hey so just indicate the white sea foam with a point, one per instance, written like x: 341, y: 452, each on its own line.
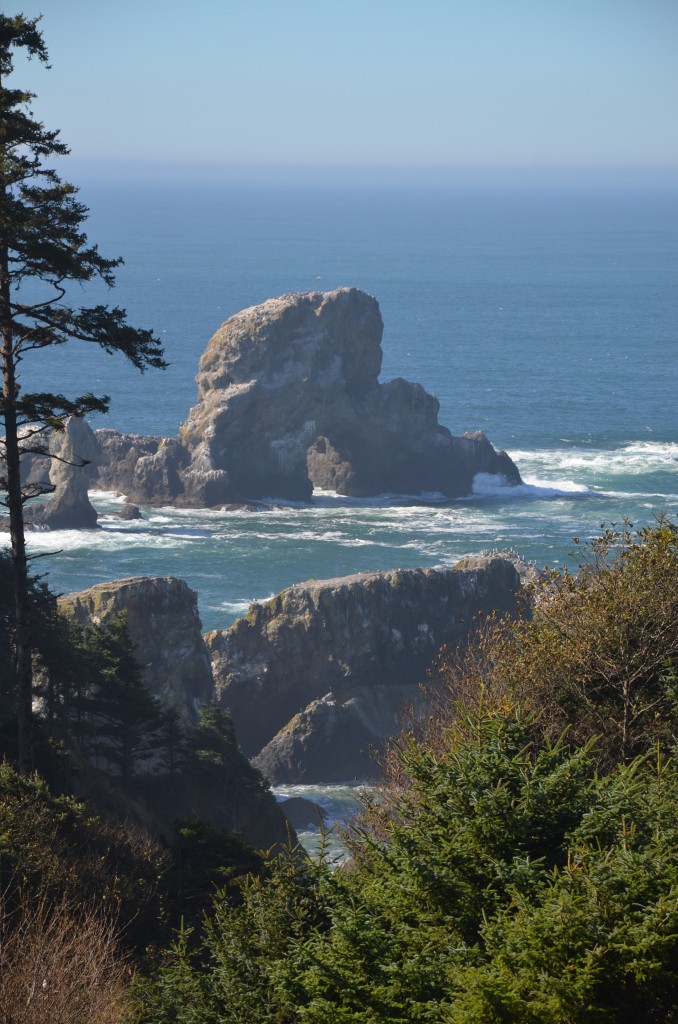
x: 339, y: 804
x: 495, y: 485
x: 242, y: 607
x: 655, y: 449
x: 107, y: 496
x: 633, y: 458
x: 386, y: 499
x: 102, y: 540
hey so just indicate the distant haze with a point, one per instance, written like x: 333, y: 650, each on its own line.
x: 526, y: 84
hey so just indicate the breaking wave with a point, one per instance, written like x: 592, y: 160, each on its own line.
x: 632, y: 459
x: 493, y: 485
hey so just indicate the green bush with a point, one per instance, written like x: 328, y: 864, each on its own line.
x: 507, y: 883
x: 511, y: 870
x: 598, y: 656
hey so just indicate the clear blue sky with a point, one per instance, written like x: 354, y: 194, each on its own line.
x: 536, y: 83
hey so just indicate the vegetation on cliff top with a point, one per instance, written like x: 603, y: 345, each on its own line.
x: 520, y: 864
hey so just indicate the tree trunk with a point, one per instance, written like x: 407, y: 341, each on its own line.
x: 22, y: 642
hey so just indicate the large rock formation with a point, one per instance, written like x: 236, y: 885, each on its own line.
x: 147, y: 469
x: 163, y: 622
x: 318, y: 675
x: 289, y: 400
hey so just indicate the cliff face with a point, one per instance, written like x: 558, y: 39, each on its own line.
x: 289, y: 400
x: 315, y: 679
x: 163, y: 622
x: 271, y: 379
x: 319, y: 673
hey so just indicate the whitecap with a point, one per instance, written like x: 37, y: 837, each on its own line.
x: 103, y: 540
x: 496, y: 485
x: 324, y: 498
x: 241, y: 607
x: 655, y: 449
x: 634, y: 457
x: 103, y: 496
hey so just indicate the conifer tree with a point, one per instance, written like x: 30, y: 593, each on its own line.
x: 126, y: 718
x: 43, y: 250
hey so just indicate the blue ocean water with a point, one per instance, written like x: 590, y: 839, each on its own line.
x: 548, y: 317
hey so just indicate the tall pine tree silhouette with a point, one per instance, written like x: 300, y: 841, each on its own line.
x: 43, y: 250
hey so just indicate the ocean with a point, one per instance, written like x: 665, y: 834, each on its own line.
x: 545, y: 316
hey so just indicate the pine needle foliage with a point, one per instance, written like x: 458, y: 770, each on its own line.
x: 514, y: 884
x: 508, y: 872
x: 43, y: 252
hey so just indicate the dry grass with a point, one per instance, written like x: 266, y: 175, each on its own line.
x: 59, y: 965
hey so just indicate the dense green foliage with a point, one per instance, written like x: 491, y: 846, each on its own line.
x: 117, y: 719
x: 89, y: 685
x: 599, y: 655
x: 510, y: 884
x: 505, y: 874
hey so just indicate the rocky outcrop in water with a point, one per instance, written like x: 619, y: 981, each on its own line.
x: 163, y: 623
x: 67, y: 472
x: 319, y: 675
x: 289, y: 400
x: 148, y: 470
x: 302, y: 813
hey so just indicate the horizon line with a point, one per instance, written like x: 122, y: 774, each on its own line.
x: 310, y: 174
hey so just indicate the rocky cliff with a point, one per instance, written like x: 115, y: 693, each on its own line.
x: 289, y: 400
x: 318, y: 675
x: 163, y: 622
x: 149, y: 470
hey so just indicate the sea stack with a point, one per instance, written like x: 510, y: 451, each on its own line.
x: 288, y: 401
x: 70, y: 467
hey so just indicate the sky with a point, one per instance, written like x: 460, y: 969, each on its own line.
x: 390, y: 83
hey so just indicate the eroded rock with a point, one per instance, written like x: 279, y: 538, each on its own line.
x: 289, y: 400
x: 321, y: 672
x: 72, y: 468
x: 129, y: 512
x: 340, y: 737
x: 163, y: 622
x: 302, y: 813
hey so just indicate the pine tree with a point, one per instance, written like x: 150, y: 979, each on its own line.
x: 43, y: 250
x: 125, y: 717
